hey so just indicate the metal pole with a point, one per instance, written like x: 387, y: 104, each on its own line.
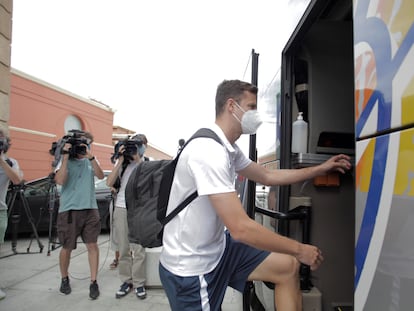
x: 251, y: 185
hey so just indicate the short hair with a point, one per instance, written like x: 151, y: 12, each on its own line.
x: 141, y: 137
x: 232, y: 89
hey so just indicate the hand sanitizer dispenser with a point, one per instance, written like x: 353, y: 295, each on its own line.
x: 300, y: 135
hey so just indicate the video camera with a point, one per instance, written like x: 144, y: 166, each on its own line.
x: 131, y: 148
x: 74, y: 137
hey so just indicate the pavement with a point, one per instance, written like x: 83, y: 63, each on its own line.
x: 30, y: 277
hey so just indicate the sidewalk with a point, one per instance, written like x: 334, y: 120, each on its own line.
x: 31, y: 282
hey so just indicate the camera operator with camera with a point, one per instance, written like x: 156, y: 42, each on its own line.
x: 131, y: 266
x: 9, y: 172
x: 78, y: 211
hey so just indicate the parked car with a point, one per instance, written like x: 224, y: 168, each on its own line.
x: 41, y: 198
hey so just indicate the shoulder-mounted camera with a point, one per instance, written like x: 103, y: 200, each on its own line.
x: 79, y: 145
x: 131, y: 149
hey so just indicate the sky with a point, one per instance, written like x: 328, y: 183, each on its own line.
x: 156, y: 63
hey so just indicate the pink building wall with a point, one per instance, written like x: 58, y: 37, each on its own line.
x: 38, y: 111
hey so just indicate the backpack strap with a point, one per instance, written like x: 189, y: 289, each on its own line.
x: 203, y: 132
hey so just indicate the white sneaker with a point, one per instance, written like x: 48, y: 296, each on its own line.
x: 2, y: 294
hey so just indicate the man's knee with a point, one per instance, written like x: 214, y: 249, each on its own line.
x: 92, y: 247
x: 277, y: 268
x: 294, y: 267
x: 290, y: 271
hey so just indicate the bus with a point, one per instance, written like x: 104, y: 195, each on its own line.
x: 349, y: 68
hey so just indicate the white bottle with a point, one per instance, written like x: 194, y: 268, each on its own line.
x: 300, y: 135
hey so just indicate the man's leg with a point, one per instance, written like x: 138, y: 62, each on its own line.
x: 121, y: 232
x: 93, y: 258
x: 90, y: 234
x: 64, y: 260
x: 138, y: 265
x: 283, y: 271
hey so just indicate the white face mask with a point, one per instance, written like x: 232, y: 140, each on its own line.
x: 250, y: 121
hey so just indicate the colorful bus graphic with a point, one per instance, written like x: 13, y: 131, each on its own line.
x: 384, y: 125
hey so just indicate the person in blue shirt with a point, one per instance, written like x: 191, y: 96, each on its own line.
x: 78, y: 211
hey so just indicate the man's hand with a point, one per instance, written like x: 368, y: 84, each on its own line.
x: 121, y: 151
x: 66, y: 147
x: 338, y: 163
x: 310, y: 255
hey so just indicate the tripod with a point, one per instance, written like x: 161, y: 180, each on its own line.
x: 15, y: 218
x: 51, y: 207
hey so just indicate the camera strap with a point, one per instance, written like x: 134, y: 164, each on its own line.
x: 117, y: 184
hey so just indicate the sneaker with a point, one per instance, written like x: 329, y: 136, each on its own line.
x: 123, y: 290
x: 94, y: 290
x: 65, y: 286
x: 114, y: 264
x: 140, y: 292
x: 2, y: 294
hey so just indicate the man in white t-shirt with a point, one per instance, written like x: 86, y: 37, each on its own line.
x: 213, y: 243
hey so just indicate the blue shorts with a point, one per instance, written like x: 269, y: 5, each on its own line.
x: 206, y: 292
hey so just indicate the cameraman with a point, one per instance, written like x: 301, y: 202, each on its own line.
x: 131, y: 265
x: 9, y: 172
x: 78, y: 210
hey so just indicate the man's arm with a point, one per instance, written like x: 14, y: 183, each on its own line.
x: 112, y: 177
x: 248, y: 231
x: 62, y: 173
x: 12, y: 173
x: 339, y: 163
x: 95, y: 164
x: 97, y: 168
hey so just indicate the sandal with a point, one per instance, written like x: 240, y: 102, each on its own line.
x: 114, y: 264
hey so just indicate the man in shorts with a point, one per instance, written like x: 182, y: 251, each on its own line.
x: 78, y: 211
x: 213, y: 243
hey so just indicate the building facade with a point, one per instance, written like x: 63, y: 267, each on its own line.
x: 41, y: 114
x: 5, y: 54
x: 35, y: 114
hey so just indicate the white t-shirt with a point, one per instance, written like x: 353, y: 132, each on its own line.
x: 194, y: 240
x: 120, y: 197
x: 4, y: 183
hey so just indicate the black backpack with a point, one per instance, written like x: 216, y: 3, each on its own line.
x: 147, y: 194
